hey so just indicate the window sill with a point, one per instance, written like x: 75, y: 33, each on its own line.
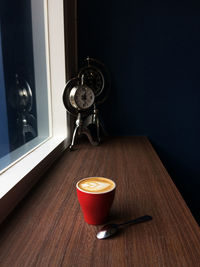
x: 18, y: 180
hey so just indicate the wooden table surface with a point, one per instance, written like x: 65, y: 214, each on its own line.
x: 47, y: 228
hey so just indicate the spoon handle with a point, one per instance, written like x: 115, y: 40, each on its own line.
x: 138, y: 220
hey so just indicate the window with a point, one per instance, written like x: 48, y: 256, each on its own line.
x: 35, y: 61
x: 24, y: 83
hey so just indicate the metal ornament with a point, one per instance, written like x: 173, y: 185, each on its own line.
x: 81, y: 96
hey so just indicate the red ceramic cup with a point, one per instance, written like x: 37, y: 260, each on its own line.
x: 95, y: 205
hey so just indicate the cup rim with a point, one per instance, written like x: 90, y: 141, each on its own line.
x: 95, y: 193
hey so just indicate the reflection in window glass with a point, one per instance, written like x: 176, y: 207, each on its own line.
x: 24, y: 119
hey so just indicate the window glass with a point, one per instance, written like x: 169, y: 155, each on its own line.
x: 24, y: 109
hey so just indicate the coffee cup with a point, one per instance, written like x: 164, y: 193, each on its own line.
x: 95, y: 195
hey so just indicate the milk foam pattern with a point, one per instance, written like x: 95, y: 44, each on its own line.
x: 95, y: 186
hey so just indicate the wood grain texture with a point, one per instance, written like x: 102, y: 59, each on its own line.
x: 48, y: 229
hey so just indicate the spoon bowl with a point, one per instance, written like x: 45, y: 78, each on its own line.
x: 107, y: 230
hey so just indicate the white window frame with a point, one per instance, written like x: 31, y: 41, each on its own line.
x: 56, y: 74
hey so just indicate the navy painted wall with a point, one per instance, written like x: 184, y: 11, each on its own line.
x: 152, y: 49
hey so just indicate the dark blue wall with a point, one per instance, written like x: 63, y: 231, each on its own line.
x: 152, y: 49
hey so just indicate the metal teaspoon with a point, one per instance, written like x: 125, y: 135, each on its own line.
x: 110, y: 229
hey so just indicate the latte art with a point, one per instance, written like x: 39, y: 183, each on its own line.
x: 96, y: 185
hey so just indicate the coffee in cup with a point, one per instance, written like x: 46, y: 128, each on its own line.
x: 95, y: 195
